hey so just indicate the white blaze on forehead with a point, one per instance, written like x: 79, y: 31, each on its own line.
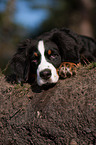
x: 41, y: 47
x: 41, y: 50
x: 44, y: 64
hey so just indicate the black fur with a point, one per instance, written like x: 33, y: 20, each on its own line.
x: 70, y: 46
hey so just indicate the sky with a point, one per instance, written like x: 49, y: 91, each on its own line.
x: 28, y: 17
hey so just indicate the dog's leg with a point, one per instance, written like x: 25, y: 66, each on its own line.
x: 67, y: 69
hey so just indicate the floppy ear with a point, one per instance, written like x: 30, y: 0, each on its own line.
x: 68, y: 45
x: 20, y: 62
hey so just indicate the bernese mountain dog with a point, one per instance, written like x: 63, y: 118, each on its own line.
x: 52, y: 55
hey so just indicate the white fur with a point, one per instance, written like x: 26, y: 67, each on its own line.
x: 45, y: 65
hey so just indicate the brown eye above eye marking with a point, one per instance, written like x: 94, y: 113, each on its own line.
x: 35, y: 54
x: 49, y: 52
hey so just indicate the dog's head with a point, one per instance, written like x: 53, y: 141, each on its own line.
x: 43, y: 56
x: 44, y: 61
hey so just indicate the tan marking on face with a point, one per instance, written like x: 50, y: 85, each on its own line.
x: 49, y: 52
x: 35, y: 54
x: 57, y: 70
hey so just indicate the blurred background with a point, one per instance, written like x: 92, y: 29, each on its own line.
x: 21, y: 19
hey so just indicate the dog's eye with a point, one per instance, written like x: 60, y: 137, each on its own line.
x: 52, y: 56
x: 34, y: 60
x: 35, y: 57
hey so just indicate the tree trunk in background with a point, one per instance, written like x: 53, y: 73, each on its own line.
x: 7, y: 30
x: 85, y: 25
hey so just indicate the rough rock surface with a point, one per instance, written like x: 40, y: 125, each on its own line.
x: 62, y: 115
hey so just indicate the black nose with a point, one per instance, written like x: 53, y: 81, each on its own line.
x: 45, y: 74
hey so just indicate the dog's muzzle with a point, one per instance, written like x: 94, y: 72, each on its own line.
x: 45, y: 74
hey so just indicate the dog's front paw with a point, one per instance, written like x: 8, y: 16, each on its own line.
x: 67, y: 69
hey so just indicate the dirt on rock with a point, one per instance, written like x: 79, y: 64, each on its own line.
x: 60, y: 115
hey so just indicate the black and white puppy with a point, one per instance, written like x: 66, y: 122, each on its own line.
x: 43, y: 56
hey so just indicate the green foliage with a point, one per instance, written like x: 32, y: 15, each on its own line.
x: 91, y: 65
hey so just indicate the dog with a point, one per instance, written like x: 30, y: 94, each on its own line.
x: 51, y: 55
